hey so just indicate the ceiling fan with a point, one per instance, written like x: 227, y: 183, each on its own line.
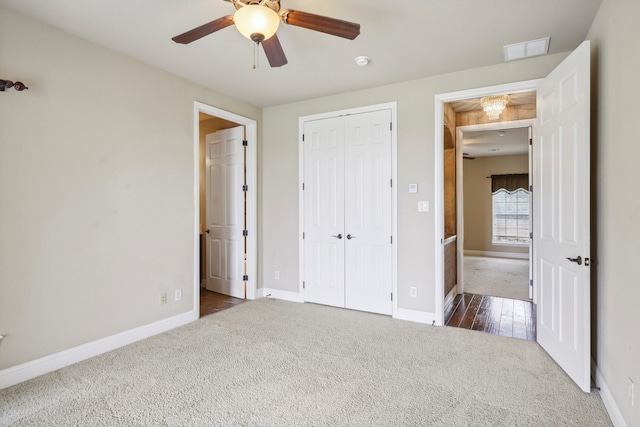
x: 258, y: 21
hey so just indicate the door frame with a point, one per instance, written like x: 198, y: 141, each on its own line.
x: 251, y: 136
x: 393, y: 106
x: 440, y: 100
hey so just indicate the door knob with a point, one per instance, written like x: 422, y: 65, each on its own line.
x: 206, y: 231
x: 349, y: 236
x: 339, y: 236
x: 576, y: 260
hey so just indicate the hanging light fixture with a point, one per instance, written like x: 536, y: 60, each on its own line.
x: 494, y: 105
x: 256, y: 22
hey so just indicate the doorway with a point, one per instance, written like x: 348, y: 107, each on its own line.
x: 487, y: 229
x: 209, y: 120
x: 446, y: 120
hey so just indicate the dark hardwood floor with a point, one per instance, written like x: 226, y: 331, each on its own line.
x: 495, y: 315
x: 211, y: 302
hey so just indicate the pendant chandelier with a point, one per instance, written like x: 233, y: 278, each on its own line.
x: 494, y: 105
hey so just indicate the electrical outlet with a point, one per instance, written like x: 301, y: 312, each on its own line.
x: 163, y: 298
x: 413, y: 291
x: 177, y: 295
x: 632, y: 392
x: 276, y: 275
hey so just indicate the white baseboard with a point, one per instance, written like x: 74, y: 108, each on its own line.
x: 494, y: 254
x: 283, y: 295
x: 607, y: 398
x: 415, y: 316
x: 44, y: 365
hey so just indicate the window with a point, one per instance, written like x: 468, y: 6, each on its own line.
x: 511, y: 216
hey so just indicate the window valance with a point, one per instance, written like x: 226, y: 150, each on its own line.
x: 510, y: 182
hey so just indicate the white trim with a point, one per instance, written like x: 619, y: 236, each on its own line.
x: 252, y: 182
x: 283, y: 295
x: 393, y: 106
x: 495, y: 254
x: 50, y: 363
x: 415, y: 316
x: 607, y: 398
x: 439, y: 101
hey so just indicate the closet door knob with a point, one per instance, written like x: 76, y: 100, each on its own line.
x: 339, y: 236
x: 349, y: 236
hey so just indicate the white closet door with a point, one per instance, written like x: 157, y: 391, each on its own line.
x: 324, y: 211
x: 368, y: 212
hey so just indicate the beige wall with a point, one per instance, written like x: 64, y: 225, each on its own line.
x: 477, y: 200
x: 416, y: 231
x: 96, y: 190
x: 615, y: 38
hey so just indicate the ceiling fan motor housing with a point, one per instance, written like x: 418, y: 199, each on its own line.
x: 271, y: 4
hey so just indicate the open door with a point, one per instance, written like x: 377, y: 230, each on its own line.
x: 562, y: 216
x: 225, y: 212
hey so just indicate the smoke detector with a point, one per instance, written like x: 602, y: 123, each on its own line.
x: 362, y: 60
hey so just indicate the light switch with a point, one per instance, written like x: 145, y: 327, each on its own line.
x: 423, y: 206
x: 413, y: 188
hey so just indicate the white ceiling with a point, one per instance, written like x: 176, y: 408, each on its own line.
x: 405, y: 40
x: 490, y: 143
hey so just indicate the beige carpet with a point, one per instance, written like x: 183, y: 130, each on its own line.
x: 277, y: 363
x: 499, y: 277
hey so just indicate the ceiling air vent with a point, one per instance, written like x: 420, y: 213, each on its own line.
x: 526, y: 49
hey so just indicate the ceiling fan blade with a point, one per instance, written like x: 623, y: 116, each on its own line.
x: 335, y: 27
x: 273, y: 50
x: 204, y: 30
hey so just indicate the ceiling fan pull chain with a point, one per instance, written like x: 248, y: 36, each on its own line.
x: 255, y: 55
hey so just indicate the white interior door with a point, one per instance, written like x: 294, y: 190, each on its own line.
x: 347, y: 211
x: 224, y: 261
x: 562, y: 217
x: 368, y: 212
x: 324, y: 211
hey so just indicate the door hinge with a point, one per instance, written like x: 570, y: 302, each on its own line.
x: 245, y: 278
x: 304, y: 285
x: 303, y: 137
x: 531, y: 188
x: 531, y: 282
x: 245, y: 188
x: 303, y: 186
x: 391, y: 239
x: 531, y: 234
x: 303, y: 235
x: 391, y: 183
x: 245, y: 143
x: 390, y: 125
x: 391, y: 296
x: 245, y: 233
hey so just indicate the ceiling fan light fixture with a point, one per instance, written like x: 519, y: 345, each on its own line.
x: 256, y: 22
x: 494, y: 105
